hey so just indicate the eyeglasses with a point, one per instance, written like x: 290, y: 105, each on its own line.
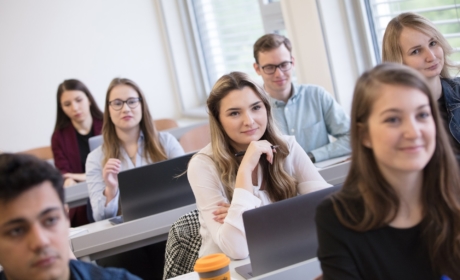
x: 132, y: 103
x: 283, y: 66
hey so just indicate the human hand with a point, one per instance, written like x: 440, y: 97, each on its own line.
x: 69, y: 182
x: 221, y: 212
x: 78, y: 177
x: 254, y: 151
x: 109, y: 175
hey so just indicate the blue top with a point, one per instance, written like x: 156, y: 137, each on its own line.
x: 83, y: 271
x: 96, y: 184
x: 311, y: 114
x: 451, y: 95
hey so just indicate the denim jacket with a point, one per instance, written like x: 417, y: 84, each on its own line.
x: 451, y: 92
x: 311, y: 114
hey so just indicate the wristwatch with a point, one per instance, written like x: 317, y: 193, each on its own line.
x: 312, y: 157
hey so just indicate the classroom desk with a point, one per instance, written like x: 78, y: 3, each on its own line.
x: 335, y: 174
x: 306, y: 270
x: 104, y: 239
x: 76, y: 195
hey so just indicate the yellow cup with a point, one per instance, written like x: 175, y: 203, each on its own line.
x: 213, y: 267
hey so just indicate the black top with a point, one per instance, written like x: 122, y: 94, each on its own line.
x: 445, y: 117
x: 84, y: 271
x: 385, y: 253
x: 83, y: 146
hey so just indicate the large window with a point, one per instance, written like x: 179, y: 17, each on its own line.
x: 225, y: 34
x: 443, y: 13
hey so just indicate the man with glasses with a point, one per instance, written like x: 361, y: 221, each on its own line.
x: 306, y: 111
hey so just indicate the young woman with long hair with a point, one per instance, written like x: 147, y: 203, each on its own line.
x: 130, y: 140
x: 397, y: 215
x: 78, y: 118
x: 247, y: 164
x: 413, y: 40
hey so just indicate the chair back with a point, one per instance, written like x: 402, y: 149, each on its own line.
x: 196, y: 138
x: 164, y: 124
x: 183, y: 245
x: 43, y: 153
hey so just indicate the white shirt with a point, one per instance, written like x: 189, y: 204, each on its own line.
x: 230, y: 238
x: 95, y: 181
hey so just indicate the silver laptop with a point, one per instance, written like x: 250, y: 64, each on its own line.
x: 282, y: 233
x: 154, y: 188
x: 95, y: 142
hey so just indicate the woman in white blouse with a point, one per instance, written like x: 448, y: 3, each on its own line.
x: 247, y: 164
x: 130, y: 140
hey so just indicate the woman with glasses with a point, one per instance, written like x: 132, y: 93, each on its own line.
x: 397, y: 215
x: 130, y: 140
x: 248, y: 164
x: 78, y: 118
x: 413, y: 40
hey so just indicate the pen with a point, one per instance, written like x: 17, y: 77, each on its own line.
x: 240, y: 154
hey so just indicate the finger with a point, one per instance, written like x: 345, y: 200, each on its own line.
x: 223, y: 204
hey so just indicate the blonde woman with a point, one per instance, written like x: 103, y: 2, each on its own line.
x: 130, y: 140
x: 248, y: 164
x: 397, y: 215
x: 413, y: 40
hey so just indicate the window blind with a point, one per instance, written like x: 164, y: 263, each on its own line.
x: 227, y: 31
x: 443, y: 13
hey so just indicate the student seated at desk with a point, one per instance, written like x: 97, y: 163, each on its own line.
x: 413, y: 40
x: 247, y: 164
x: 78, y: 118
x: 306, y: 111
x: 34, y: 228
x: 398, y: 213
x: 130, y: 140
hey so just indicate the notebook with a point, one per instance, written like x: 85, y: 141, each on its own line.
x: 282, y: 233
x: 154, y: 188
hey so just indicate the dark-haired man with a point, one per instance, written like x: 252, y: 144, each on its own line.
x: 306, y: 111
x: 34, y: 227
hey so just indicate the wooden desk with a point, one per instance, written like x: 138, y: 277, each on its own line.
x: 104, y: 239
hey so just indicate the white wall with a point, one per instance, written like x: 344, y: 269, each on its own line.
x: 44, y: 42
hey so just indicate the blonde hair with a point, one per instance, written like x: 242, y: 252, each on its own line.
x: 153, y: 150
x: 367, y: 201
x: 279, y: 184
x: 391, y: 49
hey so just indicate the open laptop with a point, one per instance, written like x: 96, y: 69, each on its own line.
x: 154, y: 188
x: 282, y: 233
x: 95, y: 142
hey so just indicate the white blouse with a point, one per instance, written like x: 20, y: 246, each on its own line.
x: 230, y: 238
x: 95, y: 181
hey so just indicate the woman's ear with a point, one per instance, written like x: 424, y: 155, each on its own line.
x: 365, y: 139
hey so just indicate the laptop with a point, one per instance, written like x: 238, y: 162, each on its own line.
x: 282, y: 233
x: 95, y: 142
x: 154, y: 188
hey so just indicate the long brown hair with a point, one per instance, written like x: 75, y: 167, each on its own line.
x: 62, y: 120
x: 153, y: 150
x: 391, y: 49
x: 279, y: 184
x: 367, y: 201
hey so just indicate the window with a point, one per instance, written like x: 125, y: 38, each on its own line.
x: 225, y: 35
x: 443, y: 13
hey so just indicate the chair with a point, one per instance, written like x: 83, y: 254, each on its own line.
x: 164, y: 124
x: 183, y: 245
x: 196, y: 138
x: 43, y: 153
